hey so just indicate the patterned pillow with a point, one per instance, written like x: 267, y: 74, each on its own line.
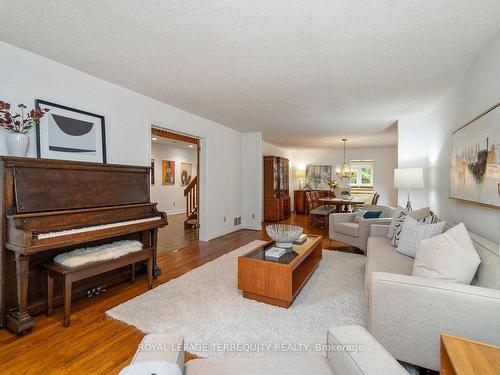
x: 395, y: 219
x: 431, y: 219
x: 400, y: 216
x: 359, y: 215
x: 413, y: 232
x: 397, y: 228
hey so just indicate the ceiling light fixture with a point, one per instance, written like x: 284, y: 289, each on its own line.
x: 344, y: 171
x: 154, y: 139
x: 191, y: 146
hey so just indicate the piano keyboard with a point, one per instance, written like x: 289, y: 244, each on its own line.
x: 94, y: 228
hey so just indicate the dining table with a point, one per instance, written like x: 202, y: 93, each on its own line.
x: 341, y: 204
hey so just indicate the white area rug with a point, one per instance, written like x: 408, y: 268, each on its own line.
x: 206, y: 307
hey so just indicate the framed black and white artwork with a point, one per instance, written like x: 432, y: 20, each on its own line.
x: 70, y: 134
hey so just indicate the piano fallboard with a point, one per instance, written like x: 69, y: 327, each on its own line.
x: 24, y: 229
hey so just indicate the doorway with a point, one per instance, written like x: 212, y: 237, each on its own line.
x: 175, y: 186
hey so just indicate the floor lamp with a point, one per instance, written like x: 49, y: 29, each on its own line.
x: 408, y: 178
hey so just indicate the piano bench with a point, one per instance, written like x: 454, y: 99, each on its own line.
x: 69, y: 275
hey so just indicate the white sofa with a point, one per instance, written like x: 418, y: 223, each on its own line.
x: 162, y: 354
x: 342, y: 226
x: 407, y: 314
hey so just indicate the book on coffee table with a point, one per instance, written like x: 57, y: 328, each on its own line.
x: 275, y: 252
x: 301, y: 240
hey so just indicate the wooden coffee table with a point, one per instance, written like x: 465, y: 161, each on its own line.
x: 278, y: 282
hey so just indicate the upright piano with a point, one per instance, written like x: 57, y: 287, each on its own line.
x: 53, y: 206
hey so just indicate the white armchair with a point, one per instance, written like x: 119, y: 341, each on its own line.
x: 342, y: 226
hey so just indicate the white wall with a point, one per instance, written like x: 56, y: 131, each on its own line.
x: 268, y: 149
x: 425, y: 142
x: 170, y: 198
x: 129, y: 115
x: 385, y: 160
x: 252, y: 180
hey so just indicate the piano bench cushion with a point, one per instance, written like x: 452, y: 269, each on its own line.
x: 114, y: 250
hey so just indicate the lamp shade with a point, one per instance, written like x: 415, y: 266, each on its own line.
x: 409, y: 178
x: 300, y: 173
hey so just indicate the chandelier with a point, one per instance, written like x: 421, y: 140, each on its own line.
x: 344, y: 171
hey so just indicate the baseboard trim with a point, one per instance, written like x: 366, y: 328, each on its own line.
x: 174, y: 212
x: 213, y: 236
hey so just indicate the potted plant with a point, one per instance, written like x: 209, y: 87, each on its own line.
x: 18, y: 125
x: 346, y: 194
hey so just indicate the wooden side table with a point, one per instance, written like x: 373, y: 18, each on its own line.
x: 461, y: 356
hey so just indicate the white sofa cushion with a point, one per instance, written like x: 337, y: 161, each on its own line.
x: 413, y: 232
x: 293, y: 364
x: 451, y: 256
x: 350, y: 229
x: 382, y: 257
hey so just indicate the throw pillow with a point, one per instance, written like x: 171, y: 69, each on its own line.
x: 372, y: 214
x: 413, y: 232
x: 398, y: 224
x: 395, y: 220
x: 431, y: 219
x: 359, y: 214
x: 450, y: 256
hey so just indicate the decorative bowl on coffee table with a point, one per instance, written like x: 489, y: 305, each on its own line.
x: 284, y: 234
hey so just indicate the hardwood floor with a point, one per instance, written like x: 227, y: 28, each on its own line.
x: 174, y: 236
x: 96, y: 344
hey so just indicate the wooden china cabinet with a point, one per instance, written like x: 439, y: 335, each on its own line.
x: 276, y: 189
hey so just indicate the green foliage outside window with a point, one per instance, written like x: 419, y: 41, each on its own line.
x: 354, y: 178
x: 366, y: 175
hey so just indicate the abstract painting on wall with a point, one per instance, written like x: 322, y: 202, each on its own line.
x: 168, y: 172
x: 318, y: 176
x: 475, y: 160
x: 152, y: 171
x: 186, y: 173
x: 70, y: 134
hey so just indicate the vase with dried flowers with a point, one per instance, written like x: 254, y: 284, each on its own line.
x: 333, y: 184
x: 18, y: 125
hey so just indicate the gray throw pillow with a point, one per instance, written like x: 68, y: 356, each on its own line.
x: 413, y: 232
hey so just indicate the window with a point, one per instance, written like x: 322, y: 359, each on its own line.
x: 363, y: 177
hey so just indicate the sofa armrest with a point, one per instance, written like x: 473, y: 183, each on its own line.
x: 336, y: 218
x: 379, y: 230
x: 161, y: 347
x: 351, y: 350
x: 364, y: 229
x: 346, y: 217
x: 407, y: 314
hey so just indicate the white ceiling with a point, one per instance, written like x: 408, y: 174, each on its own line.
x: 305, y: 72
x: 172, y: 142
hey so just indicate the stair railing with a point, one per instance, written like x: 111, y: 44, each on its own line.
x: 190, y: 192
